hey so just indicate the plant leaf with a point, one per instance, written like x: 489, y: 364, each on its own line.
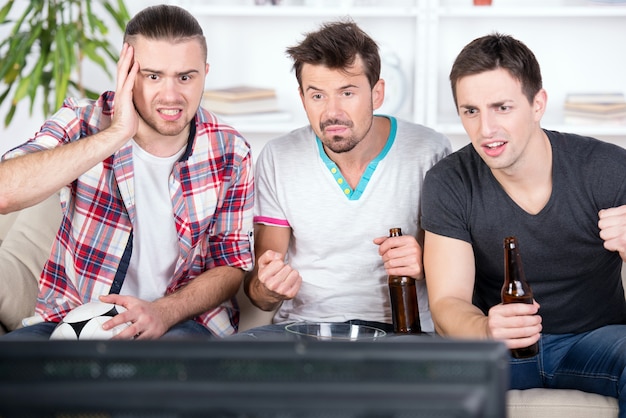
x: 5, y: 11
x: 120, y: 15
x: 4, y: 94
x: 12, y: 63
x: 9, y: 117
x: 90, y: 50
x: 36, y: 81
x: 41, y: 57
x: 63, y: 67
x: 95, y: 23
x: 22, y: 89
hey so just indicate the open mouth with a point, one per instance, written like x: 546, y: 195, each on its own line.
x: 494, y: 145
x: 169, y: 112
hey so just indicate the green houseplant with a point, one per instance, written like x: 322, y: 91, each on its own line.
x: 48, y: 42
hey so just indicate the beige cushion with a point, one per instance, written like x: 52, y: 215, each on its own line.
x: 6, y: 222
x: 559, y: 403
x: 24, y: 250
x: 249, y: 315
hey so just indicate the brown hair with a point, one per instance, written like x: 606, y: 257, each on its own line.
x: 336, y: 45
x: 498, y: 51
x: 165, y: 22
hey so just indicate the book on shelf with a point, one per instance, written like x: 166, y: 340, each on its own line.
x: 595, y: 108
x: 237, y: 100
x: 257, y: 118
x: 586, y: 118
x: 239, y: 93
x: 599, y: 97
x: 599, y: 108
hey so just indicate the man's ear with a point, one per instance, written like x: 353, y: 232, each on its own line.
x: 378, y: 94
x: 540, y: 103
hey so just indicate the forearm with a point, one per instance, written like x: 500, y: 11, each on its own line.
x: 205, y: 292
x: 457, y: 318
x: 29, y: 179
x: 257, y: 293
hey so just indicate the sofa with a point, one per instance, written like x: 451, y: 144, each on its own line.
x: 25, y: 241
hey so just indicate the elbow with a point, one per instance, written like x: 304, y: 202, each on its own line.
x: 6, y: 206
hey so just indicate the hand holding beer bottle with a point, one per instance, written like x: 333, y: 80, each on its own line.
x: 515, y: 288
x: 403, y: 294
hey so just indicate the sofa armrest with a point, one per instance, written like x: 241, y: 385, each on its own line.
x: 6, y: 222
x: 23, y: 252
x: 559, y: 403
x: 249, y: 315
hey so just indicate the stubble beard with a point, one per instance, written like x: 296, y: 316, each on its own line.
x: 339, y: 144
x: 163, y: 127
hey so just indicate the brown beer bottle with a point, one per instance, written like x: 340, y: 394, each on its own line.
x: 515, y: 288
x: 403, y: 294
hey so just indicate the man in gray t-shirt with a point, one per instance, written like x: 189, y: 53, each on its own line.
x: 328, y: 193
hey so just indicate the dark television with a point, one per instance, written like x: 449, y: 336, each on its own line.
x: 421, y: 377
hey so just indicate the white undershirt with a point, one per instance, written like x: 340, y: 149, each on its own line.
x: 155, y: 242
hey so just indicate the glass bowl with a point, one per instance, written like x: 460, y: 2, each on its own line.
x: 334, y: 331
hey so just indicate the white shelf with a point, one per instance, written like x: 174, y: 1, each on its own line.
x: 539, y: 12
x: 532, y: 8
x: 296, y: 11
x: 576, y: 43
x: 284, y: 12
x: 580, y: 129
x: 255, y: 124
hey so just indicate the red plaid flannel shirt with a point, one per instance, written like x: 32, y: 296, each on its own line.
x: 212, y: 189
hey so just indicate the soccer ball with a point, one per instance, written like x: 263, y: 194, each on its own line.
x: 85, y: 322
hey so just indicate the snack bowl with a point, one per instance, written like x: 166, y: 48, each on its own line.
x: 334, y: 331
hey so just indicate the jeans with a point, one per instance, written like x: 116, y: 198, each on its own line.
x: 593, y: 361
x: 42, y: 331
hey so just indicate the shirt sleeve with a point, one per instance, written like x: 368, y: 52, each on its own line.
x: 230, y: 244
x: 268, y: 210
x: 445, y: 201
x: 77, y: 118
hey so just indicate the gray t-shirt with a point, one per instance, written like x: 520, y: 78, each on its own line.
x: 575, y: 280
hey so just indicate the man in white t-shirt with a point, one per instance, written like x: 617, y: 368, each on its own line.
x: 328, y: 193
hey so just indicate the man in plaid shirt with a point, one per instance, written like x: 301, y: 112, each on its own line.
x: 156, y: 194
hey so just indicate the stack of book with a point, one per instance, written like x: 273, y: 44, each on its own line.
x: 240, y: 100
x: 589, y: 108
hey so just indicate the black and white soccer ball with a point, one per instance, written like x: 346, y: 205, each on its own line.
x: 85, y: 322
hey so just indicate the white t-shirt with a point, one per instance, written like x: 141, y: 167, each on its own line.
x: 333, y: 227
x: 155, y: 242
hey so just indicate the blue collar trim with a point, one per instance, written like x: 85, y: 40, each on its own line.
x: 369, y: 171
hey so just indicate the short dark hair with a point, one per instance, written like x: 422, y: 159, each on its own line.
x: 495, y: 51
x: 336, y: 45
x: 165, y: 22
